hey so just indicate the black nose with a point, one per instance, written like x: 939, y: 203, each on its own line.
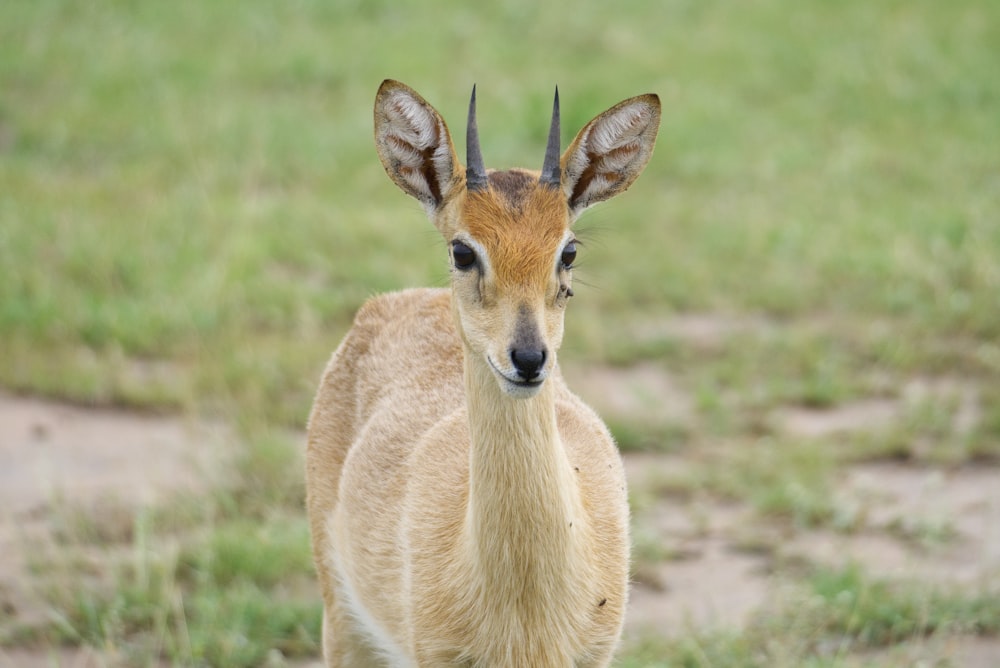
x: 528, y: 361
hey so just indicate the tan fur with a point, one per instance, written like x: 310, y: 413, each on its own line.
x: 459, y: 518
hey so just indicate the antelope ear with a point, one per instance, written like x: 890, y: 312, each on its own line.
x: 610, y: 152
x: 414, y: 145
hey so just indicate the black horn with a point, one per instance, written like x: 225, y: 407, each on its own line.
x: 475, y: 171
x: 551, y: 173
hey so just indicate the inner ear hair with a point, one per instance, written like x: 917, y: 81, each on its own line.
x: 610, y: 152
x: 414, y: 144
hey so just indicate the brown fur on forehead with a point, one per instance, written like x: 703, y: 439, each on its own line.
x: 520, y: 223
x: 514, y: 185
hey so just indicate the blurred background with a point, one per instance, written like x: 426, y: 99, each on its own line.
x: 791, y: 322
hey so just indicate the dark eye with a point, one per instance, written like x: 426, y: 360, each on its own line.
x: 569, y: 255
x: 464, y: 256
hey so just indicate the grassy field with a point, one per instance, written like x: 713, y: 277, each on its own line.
x: 191, y: 209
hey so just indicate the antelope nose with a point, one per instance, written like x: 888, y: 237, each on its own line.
x: 528, y: 361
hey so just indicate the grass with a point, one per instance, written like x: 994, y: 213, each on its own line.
x: 192, y: 210
x: 829, y: 620
x: 224, y: 600
x: 196, y: 204
x: 222, y: 580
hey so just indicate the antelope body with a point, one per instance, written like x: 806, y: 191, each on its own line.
x: 466, y: 508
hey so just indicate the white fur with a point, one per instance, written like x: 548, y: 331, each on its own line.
x: 619, y: 129
x: 374, y: 632
x: 412, y: 121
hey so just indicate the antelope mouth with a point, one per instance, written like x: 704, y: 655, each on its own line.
x: 515, y: 386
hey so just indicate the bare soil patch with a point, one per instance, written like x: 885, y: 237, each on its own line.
x: 706, y: 582
x: 643, y: 393
x: 52, y: 658
x: 701, y: 330
x: 957, y: 651
x: 937, y: 525
x: 959, y: 400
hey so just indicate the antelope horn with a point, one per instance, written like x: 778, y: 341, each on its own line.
x: 475, y: 171
x: 551, y: 173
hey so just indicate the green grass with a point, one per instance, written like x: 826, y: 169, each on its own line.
x: 829, y: 620
x: 223, y: 602
x: 181, y: 198
x: 876, y: 613
x: 191, y: 210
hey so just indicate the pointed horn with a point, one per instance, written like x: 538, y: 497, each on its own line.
x: 551, y: 173
x: 475, y: 171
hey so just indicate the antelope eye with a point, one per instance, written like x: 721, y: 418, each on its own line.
x: 464, y: 256
x: 569, y: 255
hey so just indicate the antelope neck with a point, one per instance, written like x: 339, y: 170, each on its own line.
x: 522, y: 496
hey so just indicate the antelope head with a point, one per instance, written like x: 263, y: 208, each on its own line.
x: 509, y: 233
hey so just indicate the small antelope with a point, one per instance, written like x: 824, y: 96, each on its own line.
x: 466, y: 508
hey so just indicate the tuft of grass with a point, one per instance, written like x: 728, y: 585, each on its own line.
x: 652, y: 436
x: 267, y: 476
x: 717, y: 650
x: 869, y: 612
x: 108, y: 521
x: 787, y: 480
x: 262, y: 554
x: 945, y: 428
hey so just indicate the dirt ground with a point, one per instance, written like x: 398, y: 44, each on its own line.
x: 52, y: 453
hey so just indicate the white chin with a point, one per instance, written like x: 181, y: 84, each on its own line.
x: 520, y: 390
x: 516, y: 389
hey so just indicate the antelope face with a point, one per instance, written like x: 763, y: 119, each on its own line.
x: 512, y: 254
x: 509, y: 232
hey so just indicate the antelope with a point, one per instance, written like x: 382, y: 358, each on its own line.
x: 466, y: 509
